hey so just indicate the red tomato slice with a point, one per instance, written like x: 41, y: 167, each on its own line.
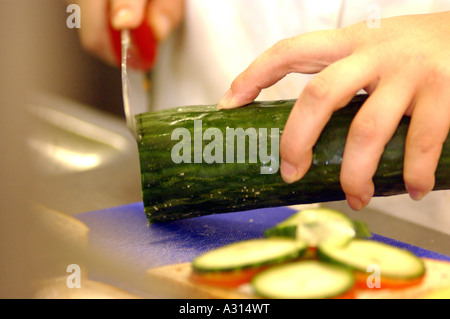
x: 351, y: 294
x: 226, y: 279
x: 385, y: 282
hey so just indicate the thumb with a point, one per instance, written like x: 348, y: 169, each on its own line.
x: 127, y: 14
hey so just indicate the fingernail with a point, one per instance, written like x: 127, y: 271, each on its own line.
x: 415, y: 194
x: 225, y: 101
x: 122, y: 18
x: 288, y: 172
x: 355, y: 202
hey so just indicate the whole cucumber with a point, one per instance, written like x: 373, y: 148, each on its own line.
x: 198, y: 160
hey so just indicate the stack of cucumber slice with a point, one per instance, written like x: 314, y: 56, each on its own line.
x: 315, y: 253
x: 319, y: 226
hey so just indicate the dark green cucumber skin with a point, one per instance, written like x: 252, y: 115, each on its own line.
x: 175, y: 191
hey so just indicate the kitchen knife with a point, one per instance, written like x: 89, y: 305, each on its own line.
x: 135, y: 52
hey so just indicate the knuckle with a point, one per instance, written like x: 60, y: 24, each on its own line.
x: 362, y: 131
x: 318, y: 88
x: 281, y: 47
x: 433, y: 70
x: 437, y: 75
x: 424, y: 143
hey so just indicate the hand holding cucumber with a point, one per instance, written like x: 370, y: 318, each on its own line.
x: 403, y: 65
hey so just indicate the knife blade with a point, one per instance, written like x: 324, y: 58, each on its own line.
x: 129, y: 117
x: 135, y: 52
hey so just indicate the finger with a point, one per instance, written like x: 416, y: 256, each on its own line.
x: 330, y: 90
x: 164, y: 16
x: 429, y: 128
x: 127, y: 14
x: 370, y: 131
x: 308, y: 53
x: 94, y: 34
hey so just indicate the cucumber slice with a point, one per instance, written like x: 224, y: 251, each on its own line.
x: 317, y: 226
x: 362, y: 229
x: 303, y: 280
x: 249, y: 253
x: 359, y: 254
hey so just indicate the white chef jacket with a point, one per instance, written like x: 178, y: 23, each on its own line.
x: 220, y: 38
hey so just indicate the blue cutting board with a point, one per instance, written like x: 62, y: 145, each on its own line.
x: 125, y: 233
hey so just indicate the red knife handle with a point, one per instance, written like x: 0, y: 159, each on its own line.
x: 143, y: 46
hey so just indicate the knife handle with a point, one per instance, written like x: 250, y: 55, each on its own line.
x: 143, y: 46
